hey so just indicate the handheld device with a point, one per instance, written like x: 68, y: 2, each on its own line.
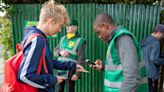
x: 90, y: 62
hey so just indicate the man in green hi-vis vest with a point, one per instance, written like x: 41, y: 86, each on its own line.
x: 70, y: 48
x: 124, y: 67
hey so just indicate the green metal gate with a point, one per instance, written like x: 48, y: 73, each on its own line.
x: 140, y: 19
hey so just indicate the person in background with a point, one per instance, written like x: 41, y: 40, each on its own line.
x: 153, y: 60
x: 52, y: 17
x: 70, y: 48
x: 124, y: 69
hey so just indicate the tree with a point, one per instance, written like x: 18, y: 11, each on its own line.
x: 6, y: 37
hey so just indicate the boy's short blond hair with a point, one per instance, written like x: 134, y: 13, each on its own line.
x: 51, y: 9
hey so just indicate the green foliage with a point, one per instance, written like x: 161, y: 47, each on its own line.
x: 162, y: 14
x: 162, y: 17
x: 7, y: 9
x: 22, y: 1
x: 6, y: 37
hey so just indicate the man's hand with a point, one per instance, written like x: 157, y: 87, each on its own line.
x: 79, y: 68
x: 60, y: 79
x: 98, y: 65
x: 74, y: 77
x: 64, y: 53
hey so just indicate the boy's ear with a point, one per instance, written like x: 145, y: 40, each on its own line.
x: 51, y: 20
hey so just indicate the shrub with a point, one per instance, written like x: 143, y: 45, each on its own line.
x: 6, y: 38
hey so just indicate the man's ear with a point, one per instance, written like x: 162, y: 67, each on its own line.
x: 105, y: 26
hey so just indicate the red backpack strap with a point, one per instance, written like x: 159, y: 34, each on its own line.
x: 19, y: 47
x: 42, y: 59
x: 42, y: 62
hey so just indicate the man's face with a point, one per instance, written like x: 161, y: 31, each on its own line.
x: 161, y: 35
x: 102, y: 30
x: 71, y: 28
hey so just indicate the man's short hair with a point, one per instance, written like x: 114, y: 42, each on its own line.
x: 104, y: 18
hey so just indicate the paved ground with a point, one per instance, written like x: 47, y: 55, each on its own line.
x: 1, y: 71
x: 1, y: 65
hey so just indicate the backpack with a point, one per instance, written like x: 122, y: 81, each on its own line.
x: 11, y: 67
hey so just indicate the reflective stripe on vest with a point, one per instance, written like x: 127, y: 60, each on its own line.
x: 72, y: 51
x: 66, y: 59
x: 108, y: 89
x: 115, y: 86
x: 76, y: 44
x: 112, y: 84
x: 72, y: 54
x: 118, y: 84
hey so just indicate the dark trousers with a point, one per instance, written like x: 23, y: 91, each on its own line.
x: 153, y: 85
x: 70, y: 85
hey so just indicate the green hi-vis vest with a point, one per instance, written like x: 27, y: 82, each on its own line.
x: 71, y: 46
x: 113, y: 67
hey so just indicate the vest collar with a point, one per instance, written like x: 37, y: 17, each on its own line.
x: 113, y: 32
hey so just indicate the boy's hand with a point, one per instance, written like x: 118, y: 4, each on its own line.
x: 60, y: 79
x: 79, y: 68
x: 74, y: 77
x: 98, y: 65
